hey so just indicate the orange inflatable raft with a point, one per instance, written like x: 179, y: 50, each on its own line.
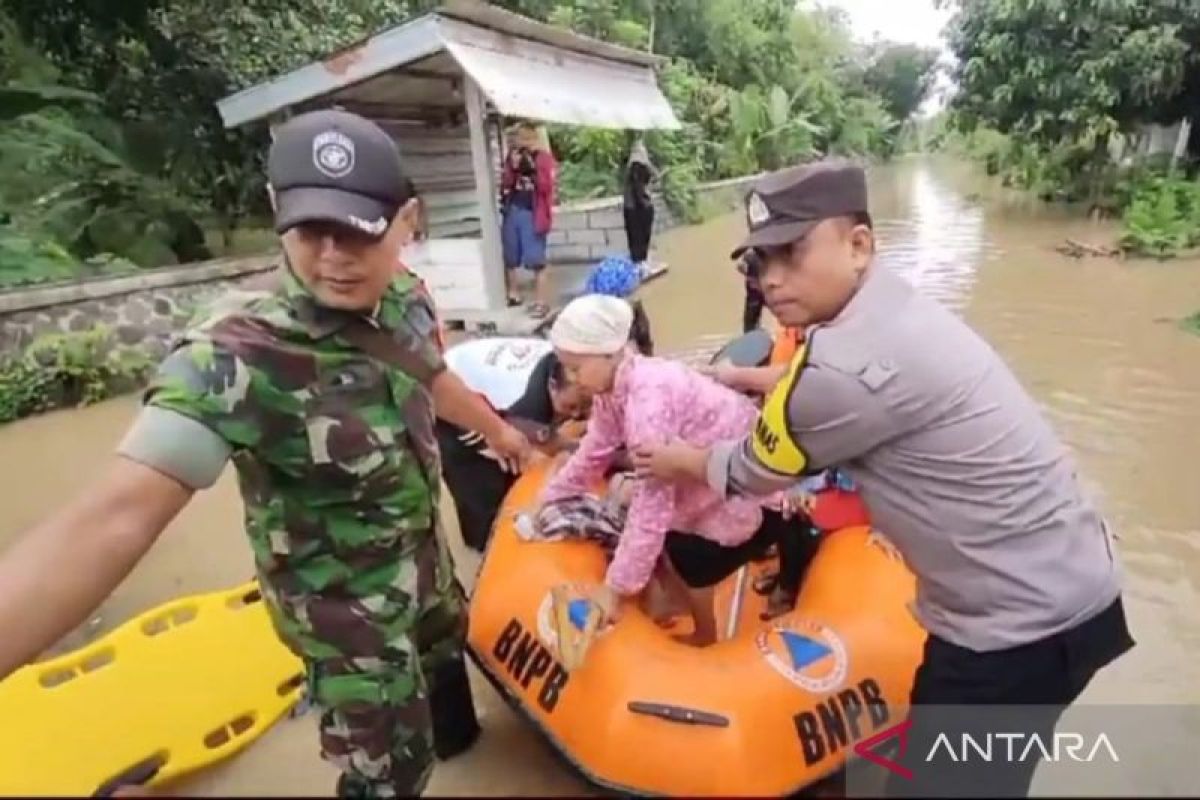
x: 769, y: 710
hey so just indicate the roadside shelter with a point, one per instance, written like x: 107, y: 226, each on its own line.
x: 439, y: 84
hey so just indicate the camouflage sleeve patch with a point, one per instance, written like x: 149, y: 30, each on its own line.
x: 210, y: 385
x: 421, y: 327
x: 407, y: 316
x: 427, y: 350
x: 439, y: 331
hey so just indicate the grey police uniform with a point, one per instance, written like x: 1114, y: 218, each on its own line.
x: 955, y: 463
x: 1018, y: 583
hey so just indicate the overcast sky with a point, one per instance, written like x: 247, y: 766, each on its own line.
x: 914, y: 21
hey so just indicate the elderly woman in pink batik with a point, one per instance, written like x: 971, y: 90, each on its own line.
x: 639, y: 400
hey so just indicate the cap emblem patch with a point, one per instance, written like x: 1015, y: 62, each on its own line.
x: 756, y: 210
x: 333, y: 154
x: 374, y: 228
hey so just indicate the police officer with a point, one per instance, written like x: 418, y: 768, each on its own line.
x: 1018, y: 584
x: 321, y: 393
x: 752, y: 305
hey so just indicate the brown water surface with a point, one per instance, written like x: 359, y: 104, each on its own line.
x: 1093, y: 340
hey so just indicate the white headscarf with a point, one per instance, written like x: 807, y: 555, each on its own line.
x: 594, y: 324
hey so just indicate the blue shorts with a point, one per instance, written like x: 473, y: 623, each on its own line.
x: 523, y: 245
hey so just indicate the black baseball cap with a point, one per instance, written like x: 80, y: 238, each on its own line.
x: 785, y: 205
x: 334, y: 166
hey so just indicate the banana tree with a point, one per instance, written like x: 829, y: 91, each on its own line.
x: 866, y: 128
x: 790, y: 135
x: 769, y: 130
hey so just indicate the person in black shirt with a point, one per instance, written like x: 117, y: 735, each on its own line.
x: 477, y: 481
x: 544, y: 411
x: 638, y: 205
x: 749, y: 266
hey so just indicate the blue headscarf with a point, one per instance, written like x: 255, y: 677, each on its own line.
x: 614, y: 276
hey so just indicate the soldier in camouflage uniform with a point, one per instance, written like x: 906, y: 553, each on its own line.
x: 321, y: 392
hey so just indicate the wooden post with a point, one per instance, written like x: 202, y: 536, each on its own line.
x: 1181, y: 141
x: 486, y: 196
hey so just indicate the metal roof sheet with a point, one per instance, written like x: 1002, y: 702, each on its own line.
x: 525, y: 68
x: 543, y: 82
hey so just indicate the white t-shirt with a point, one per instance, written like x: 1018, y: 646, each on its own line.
x: 498, y: 368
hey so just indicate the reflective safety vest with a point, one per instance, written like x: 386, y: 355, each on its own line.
x: 783, y: 350
x: 772, y: 440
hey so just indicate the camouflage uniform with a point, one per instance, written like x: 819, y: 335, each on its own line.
x: 338, y: 468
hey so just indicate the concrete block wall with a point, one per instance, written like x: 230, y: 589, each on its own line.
x: 587, y: 231
x: 143, y: 309
x: 593, y: 229
x: 148, y: 308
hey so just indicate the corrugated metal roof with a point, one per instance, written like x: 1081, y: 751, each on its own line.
x: 499, y: 19
x: 525, y: 68
x: 543, y: 82
x: 385, y: 51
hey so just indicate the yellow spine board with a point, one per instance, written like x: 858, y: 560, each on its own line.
x: 186, y: 684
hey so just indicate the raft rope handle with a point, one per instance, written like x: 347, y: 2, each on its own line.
x: 739, y: 598
x: 688, y: 716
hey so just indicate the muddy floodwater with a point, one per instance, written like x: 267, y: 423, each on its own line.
x: 1094, y: 340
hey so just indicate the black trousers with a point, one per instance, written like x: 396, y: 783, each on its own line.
x: 1025, y: 690
x: 477, y: 484
x: 752, y: 308
x: 702, y: 562
x: 639, y: 224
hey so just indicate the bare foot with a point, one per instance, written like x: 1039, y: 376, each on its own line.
x: 779, y: 603
x: 696, y: 639
x: 662, y: 611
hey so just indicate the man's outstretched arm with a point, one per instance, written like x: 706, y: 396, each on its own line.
x: 55, y: 575
x: 825, y: 418
x: 458, y: 405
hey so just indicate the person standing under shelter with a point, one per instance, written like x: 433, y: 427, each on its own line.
x: 638, y: 206
x: 322, y: 393
x: 527, y: 197
x: 1018, y: 581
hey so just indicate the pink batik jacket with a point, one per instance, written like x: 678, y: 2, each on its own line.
x: 655, y: 401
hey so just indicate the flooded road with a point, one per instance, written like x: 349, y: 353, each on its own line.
x: 1121, y: 385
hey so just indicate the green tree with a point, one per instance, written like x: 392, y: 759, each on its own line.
x: 160, y: 66
x: 71, y: 178
x: 1061, y: 77
x: 756, y: 84
x: 902, y: 75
